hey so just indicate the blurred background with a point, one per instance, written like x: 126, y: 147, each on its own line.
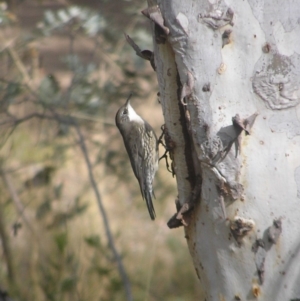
x: 65, y: 69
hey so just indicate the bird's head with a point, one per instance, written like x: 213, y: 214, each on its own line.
x: 126, y: 114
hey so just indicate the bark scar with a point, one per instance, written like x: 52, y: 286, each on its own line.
x: 240, y: 227
x: 260, y: 257
x: 187, y: 88
x: 263, y: 245
x: 218, y: 17
x: 226, y: 37
x: 242, y: 125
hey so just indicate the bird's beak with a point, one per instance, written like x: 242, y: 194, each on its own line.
x: 128, y: 99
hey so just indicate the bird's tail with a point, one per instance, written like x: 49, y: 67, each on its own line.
x: 148, y: 194
x: 148, y: 197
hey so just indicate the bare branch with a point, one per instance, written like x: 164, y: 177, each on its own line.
x: 15, y: 197
x: 6, y: 248
x: 15, y: 121
x: 109, y: 236
x: 18, y: 62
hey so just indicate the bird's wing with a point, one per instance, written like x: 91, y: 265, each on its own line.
x: 150, y: 157
x: 139, y: 152
x: 135, y: 152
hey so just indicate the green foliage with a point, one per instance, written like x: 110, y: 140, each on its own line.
x: 57, y: 189
x: 75, y: 19
x: 58, y: 272
x: 83, y: 92
x: 93, y: 241
x: 12, y: 91
x: 49, y: 90
x: 6, y: 18
x: 43, y: 209
x: 61, y: 241
x: 101, y: 269
x: 68, y: 284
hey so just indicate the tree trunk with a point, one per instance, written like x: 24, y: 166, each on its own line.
x: 229, y: 78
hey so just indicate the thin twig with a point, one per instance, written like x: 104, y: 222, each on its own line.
x: 16, y: 121
x: 6, y: 137
x: 109, y: 236
x: 27, y: 81
x: 6, y: 248
x: 8, y: 255
x: 15, y: 197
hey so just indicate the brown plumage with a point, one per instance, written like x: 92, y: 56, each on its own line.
x: 142, y: 148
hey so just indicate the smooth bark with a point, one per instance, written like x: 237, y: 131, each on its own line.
x: 229, y: 80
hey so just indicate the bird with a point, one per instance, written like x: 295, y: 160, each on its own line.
x: 142, y: 147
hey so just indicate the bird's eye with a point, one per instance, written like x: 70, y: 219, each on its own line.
x: 125, y: 112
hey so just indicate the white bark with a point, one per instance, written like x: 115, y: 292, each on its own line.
x: 243, y: 256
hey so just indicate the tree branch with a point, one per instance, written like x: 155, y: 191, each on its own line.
x: 109, y: 236
x: 6, y: 248
x: 16, y: 121
x: 13, y: 193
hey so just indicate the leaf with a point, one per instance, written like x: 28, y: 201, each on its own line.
x: 116, y: 284
x: 68, y: 284
x: 49, y: 89
x: 101, y: 271
x: 58, y: 220
x: 94, y: 25
x: 93, y: 241
x: 73, y: 19
x: 58, y: 190
x: 43, y: 209
x: 12, y: 91
x: 61, y: 241
x: 78, y: 208
x: 6, y: 17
